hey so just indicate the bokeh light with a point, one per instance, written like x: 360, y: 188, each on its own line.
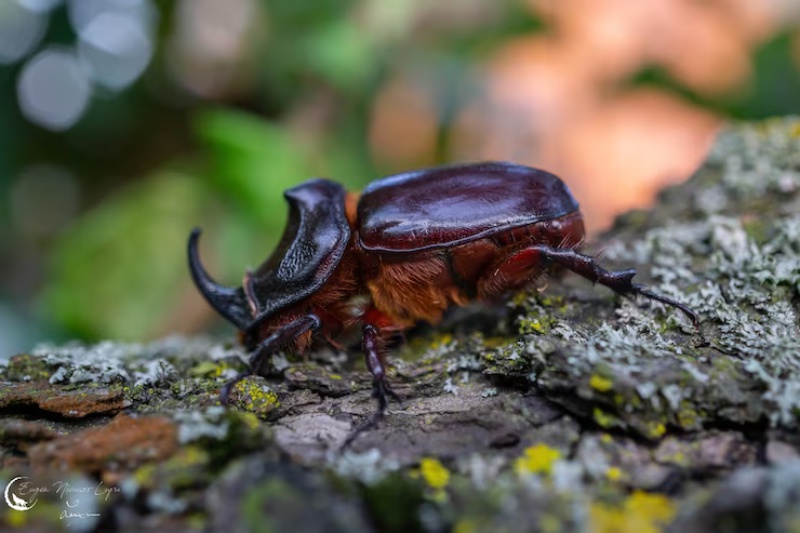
x: 54, y: 89
x: 116, y: 49
x: 21, y: 29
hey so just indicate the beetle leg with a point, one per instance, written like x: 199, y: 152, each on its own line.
x: 381, y: 391
x: 260, y: 355
x: 586, y: 266
x: 371, y: 344
x: 618, y: 281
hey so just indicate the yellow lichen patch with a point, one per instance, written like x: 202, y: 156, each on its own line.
x: 531, y: 325
x: 249, y: 419
x: 603, y: 419
x: 641, y: 512
x: 656, y: 430
x: 189, y: 456
x: 442, y: 340
x: 255, y: 398
x: 688, y: 419
x: 599, y: 383
x: 434, y: 473
x: 519, y: 298
x: 551, y: 523
x: 16, y: 519
x: 614, y: 473
x: 208, y: 369
x: 537, y: 459
x: 465, y: 525
x: 144, y: 475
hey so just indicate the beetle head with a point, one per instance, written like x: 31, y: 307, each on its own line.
x: 229, y: 302
x: 312, y: 245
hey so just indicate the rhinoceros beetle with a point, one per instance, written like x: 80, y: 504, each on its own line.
x: 406, y: 249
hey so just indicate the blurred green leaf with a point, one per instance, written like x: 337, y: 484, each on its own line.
x: 342, y: 53
x: 252, y: 163
x: 119, y: 270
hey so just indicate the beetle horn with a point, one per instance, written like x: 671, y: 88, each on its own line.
x: 229, y: 302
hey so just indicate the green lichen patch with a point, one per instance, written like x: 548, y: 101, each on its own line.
x: 270, y: 496
x: 25, y: 367
x: 725, y: 255
x: 318, y: 379
x: 224, y: 434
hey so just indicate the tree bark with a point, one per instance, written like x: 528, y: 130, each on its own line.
x: 567, y: 409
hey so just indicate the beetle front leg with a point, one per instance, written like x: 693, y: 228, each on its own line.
x: 267, y: 347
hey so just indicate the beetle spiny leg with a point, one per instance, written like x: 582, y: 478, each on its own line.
x: 617, y: 280
x: 381, y: 391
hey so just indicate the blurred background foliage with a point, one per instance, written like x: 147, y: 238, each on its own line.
x: 124, y: 123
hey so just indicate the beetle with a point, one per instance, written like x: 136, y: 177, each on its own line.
x: 403, y: 251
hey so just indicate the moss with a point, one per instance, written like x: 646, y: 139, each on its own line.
x: 273, y: 492
x: 25, y: 367
x: 395, y: 501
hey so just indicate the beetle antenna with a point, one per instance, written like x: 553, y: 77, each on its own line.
x: 229, y: 302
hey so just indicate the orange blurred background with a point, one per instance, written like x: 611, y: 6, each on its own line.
x: 562, y: 100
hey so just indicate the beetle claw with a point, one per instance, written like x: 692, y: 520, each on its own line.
x: 691, y: 315
x: 381, y: 391
x: 371, y: 422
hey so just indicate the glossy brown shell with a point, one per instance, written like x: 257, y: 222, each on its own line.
x: 452, y: 205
